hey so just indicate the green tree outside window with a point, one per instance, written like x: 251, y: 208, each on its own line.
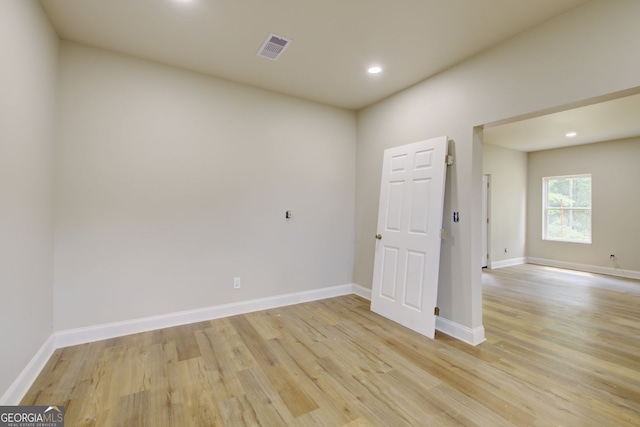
x: 567, y: 208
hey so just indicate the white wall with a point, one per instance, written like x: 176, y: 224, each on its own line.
x: 586, y: 53
x: 170, y: 183
x: 28, y: 54
x: 508, y: 202
x: 615, y: 176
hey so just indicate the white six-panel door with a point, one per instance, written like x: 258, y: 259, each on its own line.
x: 407, y: 258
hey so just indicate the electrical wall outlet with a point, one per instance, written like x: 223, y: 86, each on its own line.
x: 236, y: 283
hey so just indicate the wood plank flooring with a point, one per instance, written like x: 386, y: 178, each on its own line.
x: 562, y: 349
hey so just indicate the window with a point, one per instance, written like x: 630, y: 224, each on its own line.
x: 567, y: 208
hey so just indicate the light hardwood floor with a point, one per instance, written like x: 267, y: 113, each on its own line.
x: 562, y: 349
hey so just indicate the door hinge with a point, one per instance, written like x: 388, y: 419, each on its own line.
x: 436, y: 311
x: 448, y: 159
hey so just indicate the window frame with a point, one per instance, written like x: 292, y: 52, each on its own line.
x: 546, y: 208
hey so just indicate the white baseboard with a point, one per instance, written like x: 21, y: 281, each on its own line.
x: 629, y: 274
x: 507, y: 263
x: 361, y: 291
x: 21, y: 385
x: 117, y: 329
x: 70, y: 337
x: 471, y: 336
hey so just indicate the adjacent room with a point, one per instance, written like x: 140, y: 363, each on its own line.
x: 596, y: 143
x: 189, y: 198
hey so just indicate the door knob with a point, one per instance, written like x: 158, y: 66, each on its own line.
x: 379, y: 236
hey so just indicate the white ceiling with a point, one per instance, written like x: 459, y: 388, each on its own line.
x: 334, y: 41
x: 604, y: 121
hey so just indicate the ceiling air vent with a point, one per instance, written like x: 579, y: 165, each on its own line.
x: 273, y: 47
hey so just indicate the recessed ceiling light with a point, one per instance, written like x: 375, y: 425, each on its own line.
x: 374, y: 70
x: 570, y: 134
